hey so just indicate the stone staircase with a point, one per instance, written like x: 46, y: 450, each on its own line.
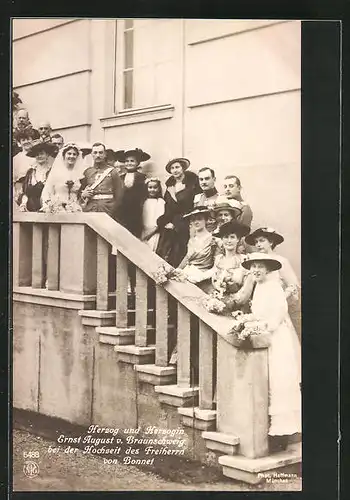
x: 224, y: 447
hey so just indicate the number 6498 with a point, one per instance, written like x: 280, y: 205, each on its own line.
x: 30, y: 454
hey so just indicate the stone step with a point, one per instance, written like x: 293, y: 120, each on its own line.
x: 219, y: 441
x: 114, y: 335
x: 156, y: 375
x: 135, y: 355
x: 173, y: 395
x: 278, y: 466
x: 92, y: 317
x: 203, y: 420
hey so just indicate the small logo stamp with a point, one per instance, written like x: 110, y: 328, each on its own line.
x: 31, y: 469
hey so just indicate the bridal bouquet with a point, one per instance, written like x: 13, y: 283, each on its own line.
x: 55, y: 206
x: 246, y: 326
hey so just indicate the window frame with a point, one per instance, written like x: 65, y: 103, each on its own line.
x: 121, y: 70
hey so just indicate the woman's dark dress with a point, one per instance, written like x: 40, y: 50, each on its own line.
x: 33, y: 191
x: 132, y: 203
x: 172, y: 245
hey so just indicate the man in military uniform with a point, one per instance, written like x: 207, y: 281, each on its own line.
x: 102, y: 187
x: 232, y: 190
x: 209, y: 194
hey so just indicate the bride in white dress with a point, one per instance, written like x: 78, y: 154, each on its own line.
x: 62, y: 188
x: 269, y: 305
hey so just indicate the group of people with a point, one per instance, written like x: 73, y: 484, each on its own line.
x: 205, y: 234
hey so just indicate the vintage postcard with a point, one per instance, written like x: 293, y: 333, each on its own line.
x: 156, y: 172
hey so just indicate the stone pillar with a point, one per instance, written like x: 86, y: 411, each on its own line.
x: 22, y: 235
x: 242, y: 396
x: 78, y: 261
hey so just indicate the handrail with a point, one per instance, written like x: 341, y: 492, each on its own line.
x: 189, y: 295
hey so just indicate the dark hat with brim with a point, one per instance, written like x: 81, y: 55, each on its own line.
x: 184, y: 162
x: 85, y: 147
x: 198, y: 210
x: 233, y: 227
x: 38, y: 145
x: 136, y: 153
x: 235, y: 207
x: 116, y: 155
x: 267, y: 232
x: 271, y: 263
x: 26, y: 133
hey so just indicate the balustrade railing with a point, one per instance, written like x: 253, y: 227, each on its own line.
x: 91, y: 254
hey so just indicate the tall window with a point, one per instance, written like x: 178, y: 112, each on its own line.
x: 128, y: 63
x: 146, y: 57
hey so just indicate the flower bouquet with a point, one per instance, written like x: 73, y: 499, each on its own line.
x: 55, y: 206
x: 213, y: 304
x: 165, y: 272
x: 247, y: 331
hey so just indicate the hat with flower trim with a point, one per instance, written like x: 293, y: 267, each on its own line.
x: 268, y: 232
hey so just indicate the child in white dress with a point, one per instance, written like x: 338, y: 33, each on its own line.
x: 153, y: 208
x: 269, y: 305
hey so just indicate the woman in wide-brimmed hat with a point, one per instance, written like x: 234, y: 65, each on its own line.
x: 36, y: 176
x: 63, y: 184
x: 201, y: 248
x: 134, y: 190
x: 21, y: 163
x: 265, y: 240
x: 231, y: 282
x: 181, y: 188
x: 225, y: 212
x: 269, y: 305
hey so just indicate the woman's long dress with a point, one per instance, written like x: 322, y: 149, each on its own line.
x: 200, y: 259
x: 229, y: 281
x: 132, y: 201
x: 173, y: 242
x: 62, y: 190
x: 153, y: 208
x: 269, y: 304
x: 290, y: 284
x: 33, y: 186
x: 21, y: 164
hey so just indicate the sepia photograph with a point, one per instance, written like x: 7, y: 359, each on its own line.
x: 156, y: 254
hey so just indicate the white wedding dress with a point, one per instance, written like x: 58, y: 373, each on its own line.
x: 63, y: 184
x: 269, y: 304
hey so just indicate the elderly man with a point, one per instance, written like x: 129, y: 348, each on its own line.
x: 45, y: 131
x: 22, y: 119
x: 102, y: 186
x: 21, y: 124
x: 209, y: 194
x: 232, y: 190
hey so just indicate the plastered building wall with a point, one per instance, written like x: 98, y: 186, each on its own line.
x: 231, y: 97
